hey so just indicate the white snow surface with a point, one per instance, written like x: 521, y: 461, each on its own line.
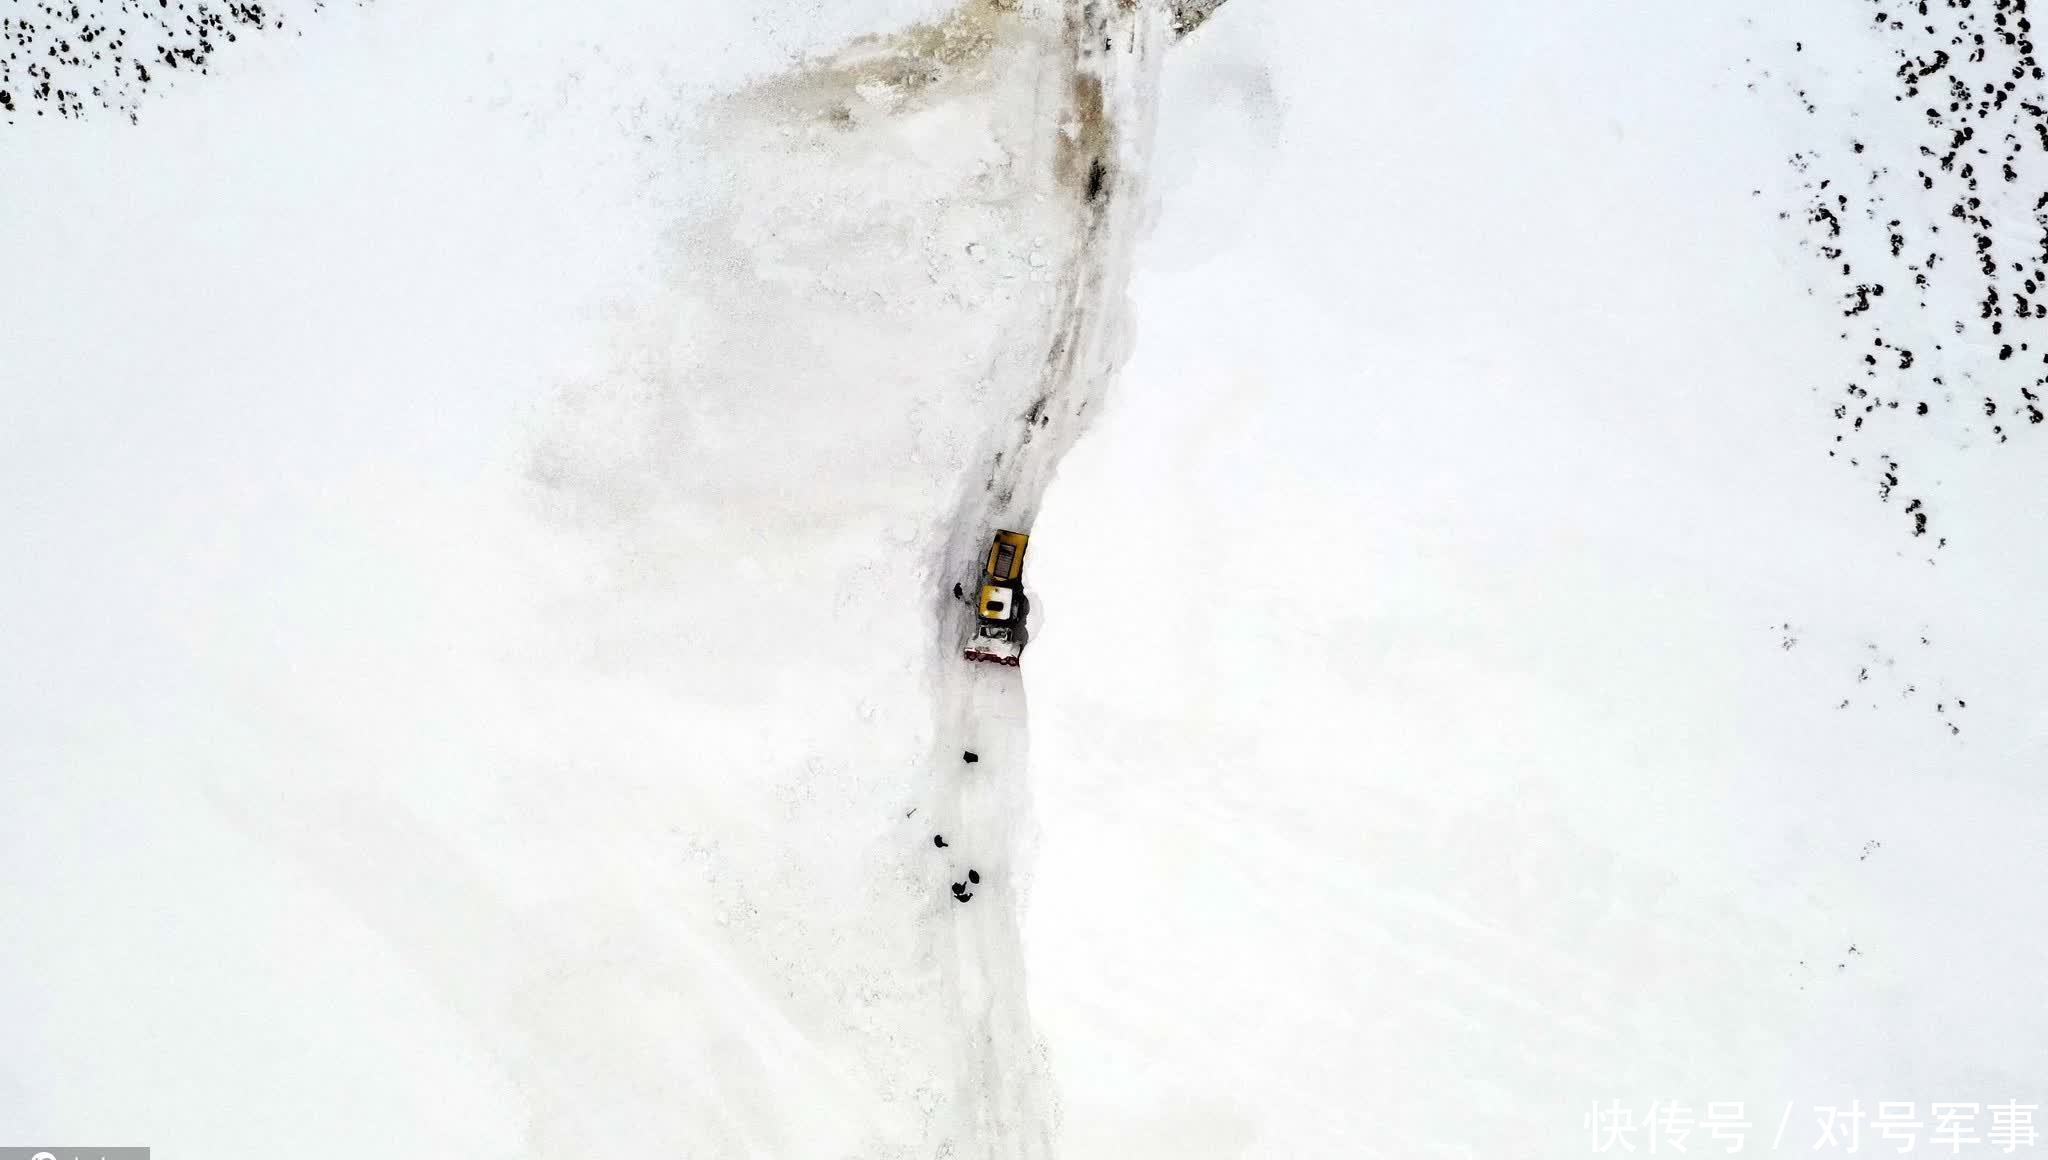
x: 1513, y: 755
x: 481, y: 677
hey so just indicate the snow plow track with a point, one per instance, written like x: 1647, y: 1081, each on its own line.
x: 1096, y: 110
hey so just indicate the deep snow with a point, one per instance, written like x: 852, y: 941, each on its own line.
x: 559, y: 691
x: 482, y: 673
x: 1551, y: 715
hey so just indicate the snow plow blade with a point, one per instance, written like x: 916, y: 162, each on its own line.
x: 994, y: 645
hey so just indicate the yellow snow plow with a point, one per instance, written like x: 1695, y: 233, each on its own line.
x: 1000, y: 607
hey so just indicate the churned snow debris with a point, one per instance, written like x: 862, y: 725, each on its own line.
x: 1189, y: 15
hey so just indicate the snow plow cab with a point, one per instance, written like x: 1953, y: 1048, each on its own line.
x: 999, y: 607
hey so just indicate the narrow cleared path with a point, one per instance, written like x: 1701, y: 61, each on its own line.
x: 1100, y: 151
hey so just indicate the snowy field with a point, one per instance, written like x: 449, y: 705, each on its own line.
x: 1528, y: 637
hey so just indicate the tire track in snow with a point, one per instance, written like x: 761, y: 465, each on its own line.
x: 1100, y: 154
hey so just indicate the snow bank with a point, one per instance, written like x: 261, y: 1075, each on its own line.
x: 483, y: 488
x: 1547, y: 716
